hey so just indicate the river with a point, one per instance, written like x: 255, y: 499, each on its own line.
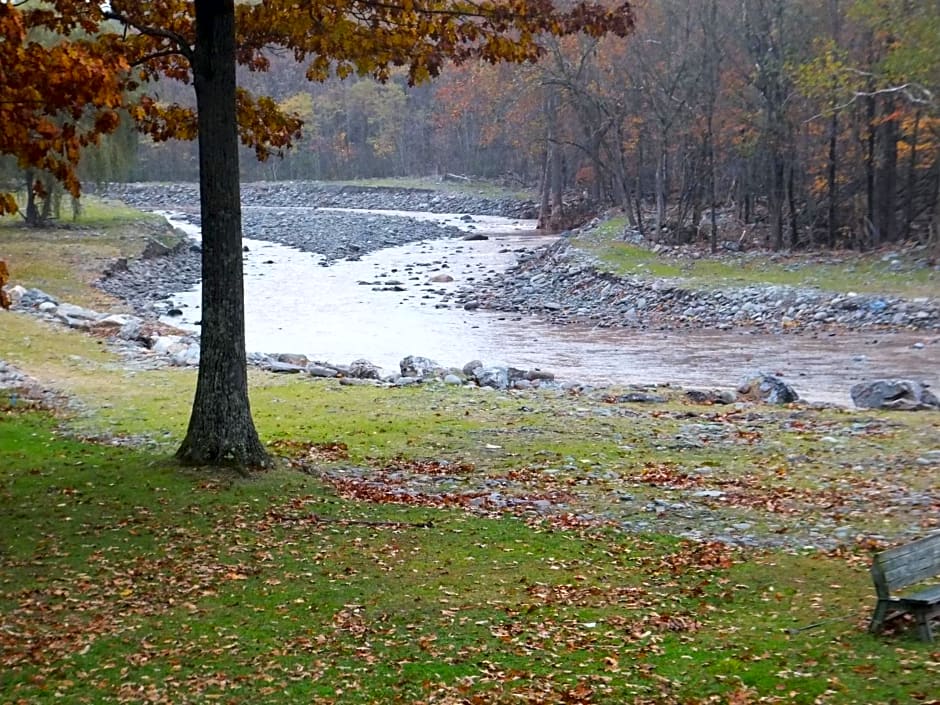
x: 384, y: 307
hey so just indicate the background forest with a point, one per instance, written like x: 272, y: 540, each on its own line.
x: 789, y: 124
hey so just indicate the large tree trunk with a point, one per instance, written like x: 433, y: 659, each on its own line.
x: 221, y: 430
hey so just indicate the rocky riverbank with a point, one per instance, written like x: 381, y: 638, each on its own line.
x: 316, y: 194
x: 284, y: 212
x: 567, y: 285
x: 561, y: 283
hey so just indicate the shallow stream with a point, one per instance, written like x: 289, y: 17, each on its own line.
x: 384, y: 307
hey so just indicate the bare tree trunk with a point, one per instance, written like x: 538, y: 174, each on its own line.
x: 911, y: 180
x: 933, y: 237
x: 660, y: 190
x: 558, y: 206
x: 870, y: 170
x: 832, y: 187
x: 221, y: 430
x: 886, y: 176
x: 545, y: 191
x: 791, y: 203
x: 776, y: 201
x: 32, y: 211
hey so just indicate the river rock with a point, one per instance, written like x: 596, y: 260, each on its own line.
x: 363, y: 369
x: 898, y: 394
x: 15, y: 293
x: 471, y: 367
x: 68, y: 313
x: 132, y: 330
x: 32, y: 298
x: 419, y: 367
x: 295, y: 359
x: 152, y: 250
x: 537, y: 375
x: 442, y: 278
x: 768, y: 388
x: 318, y: 370
x: 713, y: 396
x: 188, y: 356
x: 114, y: 323
x: 495, y: 377
x: 280, y: 367
x: 164, y: 344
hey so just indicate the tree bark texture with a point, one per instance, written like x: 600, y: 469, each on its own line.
x: 886, y: 176
x: 221, y: 430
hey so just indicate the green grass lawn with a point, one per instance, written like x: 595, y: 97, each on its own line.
x: 862, y: 273
x: 126, y: 578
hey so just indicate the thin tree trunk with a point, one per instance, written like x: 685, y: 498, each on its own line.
x: 660, y: 191
x: 712, y: 185
x: 870, y: 170
x: 886, y: 176
x: 776, y: 201
x: 32, y: 212
x: 544, y: 192
x: 221, y: 430
x: 791, y: 205
x: 832, y: 186
x: 911, y: 180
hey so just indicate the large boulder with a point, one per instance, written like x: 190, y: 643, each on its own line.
x: 363, y: 369
x: 767, y: 388
x: 155, y: 249
x: 419, y: 367
x: 31, y: 298
x: 495, y: 377
x: 900, y: 394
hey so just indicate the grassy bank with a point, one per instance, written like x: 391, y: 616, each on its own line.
x: 841, y: 272
x: 63, y: 259
x: 126, y: 578
x: 376, y: 567
x: 485, y: 189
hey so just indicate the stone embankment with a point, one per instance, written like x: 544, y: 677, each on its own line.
x: 567, y: 285
x: 315, y: 194
x: 285, y: 212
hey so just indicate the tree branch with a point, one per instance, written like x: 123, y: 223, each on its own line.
x: 183, y: 47
x: 926, y: 98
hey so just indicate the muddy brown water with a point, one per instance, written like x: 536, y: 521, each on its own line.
x: 385, y: 307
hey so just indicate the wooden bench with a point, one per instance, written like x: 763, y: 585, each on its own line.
x: 900, y: 567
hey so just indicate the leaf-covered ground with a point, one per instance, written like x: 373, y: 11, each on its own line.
x: 448, y: 546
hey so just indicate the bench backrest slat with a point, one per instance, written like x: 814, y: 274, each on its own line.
x: 908, y: 564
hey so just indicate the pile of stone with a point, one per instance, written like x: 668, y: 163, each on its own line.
x: 566, y: 285
x: 413, y: 369
x: 18, y: 389
x: 132, y: 334
x: 316, y: 194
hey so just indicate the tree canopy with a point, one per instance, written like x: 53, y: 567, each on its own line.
x: 67, y: 66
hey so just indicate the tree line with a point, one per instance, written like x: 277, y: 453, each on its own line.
x: 800, y: 124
